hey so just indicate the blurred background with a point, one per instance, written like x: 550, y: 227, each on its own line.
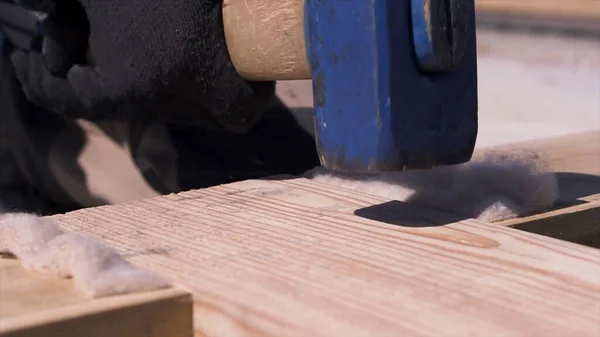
x: 538, y: 70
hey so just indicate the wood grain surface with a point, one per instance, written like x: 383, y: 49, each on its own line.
x: 32, y: 306
x: 265, y: 38
x: 575, y: 153
x: 291, y: 257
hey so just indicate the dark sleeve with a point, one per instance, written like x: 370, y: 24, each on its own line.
x: 282, y: 142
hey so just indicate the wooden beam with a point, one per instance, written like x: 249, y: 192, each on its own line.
x: 580, y: 17
x: 572, y: 9
x: 576, y: 153
x: 31, y: 306
x: 296, y: 258
x: 569, y: 223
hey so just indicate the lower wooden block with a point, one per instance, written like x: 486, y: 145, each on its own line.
x: 32, y: 306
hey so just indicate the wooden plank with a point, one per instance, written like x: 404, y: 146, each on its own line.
x: 297, y: 258
x: 569, y: 223
x: 576, y: 153
x: 577, y: 9
x: 31, y: 306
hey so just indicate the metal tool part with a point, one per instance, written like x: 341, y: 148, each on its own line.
x: 439, y: 33
x: 376, y: 109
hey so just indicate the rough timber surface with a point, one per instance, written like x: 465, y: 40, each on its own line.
x: 576, y: 153
x: 576, y: 9
x: 290, y: 257
x: 31, y: 306
x: 581, y: 17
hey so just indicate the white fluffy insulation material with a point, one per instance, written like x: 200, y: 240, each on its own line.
x: 498, y: 187
x: 96, y: 269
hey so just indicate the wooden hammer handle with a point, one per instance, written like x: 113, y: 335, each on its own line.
x: 265, y: 39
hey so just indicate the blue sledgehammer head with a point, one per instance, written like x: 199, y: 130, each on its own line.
x: 394, y: 82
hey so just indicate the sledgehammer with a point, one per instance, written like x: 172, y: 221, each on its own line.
x: 394, y: 81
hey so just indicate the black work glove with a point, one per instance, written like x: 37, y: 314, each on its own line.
x: 157, y: 58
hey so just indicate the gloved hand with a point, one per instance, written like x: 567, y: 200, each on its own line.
x: 65, y: 42
x: 157, y: 58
